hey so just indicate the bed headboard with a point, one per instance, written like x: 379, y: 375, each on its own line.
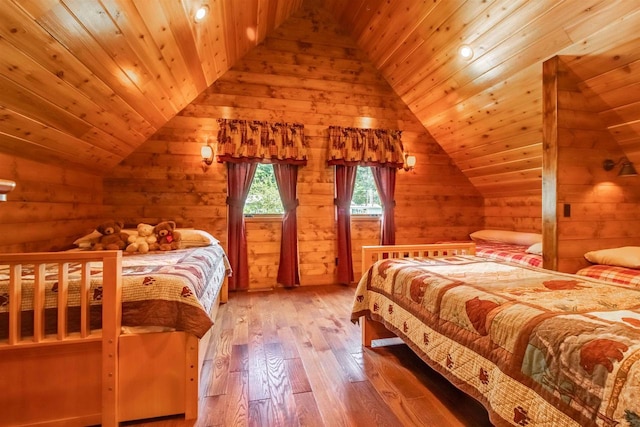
x: 371, y: 254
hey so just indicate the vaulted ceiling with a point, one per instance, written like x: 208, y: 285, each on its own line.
x: 84, y: 82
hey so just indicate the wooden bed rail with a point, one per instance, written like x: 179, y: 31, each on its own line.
x: 19, y: 264
x: 371, y: 254
x: 372, y: 330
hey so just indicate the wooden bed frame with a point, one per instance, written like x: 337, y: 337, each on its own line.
x: 92, y: 376
x: 372, y: 330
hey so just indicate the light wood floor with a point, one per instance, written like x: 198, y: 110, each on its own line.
x: 293, y: 358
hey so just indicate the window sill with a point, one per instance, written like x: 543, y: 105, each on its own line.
x: 263, y: 218
x: 370, y: 218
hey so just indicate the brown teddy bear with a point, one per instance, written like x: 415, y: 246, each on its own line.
x: 168, y: 238
x: 112, y: 236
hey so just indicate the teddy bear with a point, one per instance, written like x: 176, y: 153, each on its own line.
x: 144, y: 240
x: 112, y: 236
x: 168, y: 237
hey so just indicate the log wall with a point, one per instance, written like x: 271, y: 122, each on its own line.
x: 603, y: 207
x: 514, y: 213
x: 307, y: 71
x: 50, y: 207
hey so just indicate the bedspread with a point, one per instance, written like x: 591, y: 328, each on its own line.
x: 173, y: 290
x: 536, y: 347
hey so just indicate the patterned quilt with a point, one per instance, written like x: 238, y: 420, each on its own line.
x: 173, y: 289
x: 536, y: 347
x: 610, y: 273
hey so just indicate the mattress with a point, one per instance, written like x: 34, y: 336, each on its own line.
x: 171, y: 290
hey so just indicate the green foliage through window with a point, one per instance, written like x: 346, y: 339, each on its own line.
x: 263, y: 198
x: 365, y: 199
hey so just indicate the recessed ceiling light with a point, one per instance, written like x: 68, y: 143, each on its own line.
x: 465, y: 51
x: 201, y: 13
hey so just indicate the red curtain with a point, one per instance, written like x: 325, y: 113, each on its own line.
x: 385, y: 179
x: 345, y: 181
x: 287, y: 179
x: 239, y: 178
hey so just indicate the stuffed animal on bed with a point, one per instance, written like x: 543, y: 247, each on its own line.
x: 168, y: 237
x: 144, y: 240
x: 112, y: 236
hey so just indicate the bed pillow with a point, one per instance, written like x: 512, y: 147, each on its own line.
x: 192, y: 238
x: 505, y: 236
x: 535, y: 249
x: 626, y: 256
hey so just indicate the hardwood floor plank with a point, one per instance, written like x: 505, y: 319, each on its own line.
x: 239, y: 358
x: 220, y: 369
x: 297, y: 376
x: 307, y: 409
x: 237, y: 408
x: 280, y: 386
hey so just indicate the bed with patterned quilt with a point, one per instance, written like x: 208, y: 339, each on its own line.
x: 107, y: 337
x: 535, y: 347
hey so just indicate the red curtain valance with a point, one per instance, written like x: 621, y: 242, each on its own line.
x: 255, y: 141
x: 365, y: 147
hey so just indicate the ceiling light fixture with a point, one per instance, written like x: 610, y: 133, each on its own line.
x: 201, y: 13
x: 466, y: 51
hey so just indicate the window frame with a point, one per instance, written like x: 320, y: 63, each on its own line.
x: 275, y: 216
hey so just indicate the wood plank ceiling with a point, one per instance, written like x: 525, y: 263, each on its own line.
x: 84, y: 82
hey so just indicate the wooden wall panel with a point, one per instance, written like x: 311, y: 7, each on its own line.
x: 50, y: 207
x: 315, y: 75
x: 603, y: 206
x: 514, y: 213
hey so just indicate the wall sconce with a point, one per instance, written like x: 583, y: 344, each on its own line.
x: 207, y: 156
x: 6, y: 186
x: 627, y: 168
x: 409, y: 162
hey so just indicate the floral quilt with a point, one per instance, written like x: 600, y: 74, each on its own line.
x: 173, y: 289
x: 536, y: 347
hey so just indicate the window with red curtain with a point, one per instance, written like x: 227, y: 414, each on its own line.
x: 242, y: 142
x: 380, y: 149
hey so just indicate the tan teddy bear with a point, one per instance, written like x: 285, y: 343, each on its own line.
x: 168, y: 238
x: 144, y: 240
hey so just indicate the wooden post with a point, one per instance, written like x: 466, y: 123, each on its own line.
x: 111, y: 322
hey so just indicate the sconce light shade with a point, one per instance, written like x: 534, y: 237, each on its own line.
x: 6, y: 186
x: 207, y: 154
x: 409, y: 162
x: 627, y: 168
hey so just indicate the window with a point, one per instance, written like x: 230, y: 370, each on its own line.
x: 263, y: 197
x: 365, y: 199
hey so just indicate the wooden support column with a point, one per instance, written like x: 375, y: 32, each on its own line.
x: 550, y: 163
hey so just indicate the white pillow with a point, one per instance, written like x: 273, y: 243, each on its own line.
x: 505, y: 236
x: 626, y: 256
x: 535, y: 249
x: 192, y: 238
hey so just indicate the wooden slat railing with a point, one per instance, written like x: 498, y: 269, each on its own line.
x: 371, y: 254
